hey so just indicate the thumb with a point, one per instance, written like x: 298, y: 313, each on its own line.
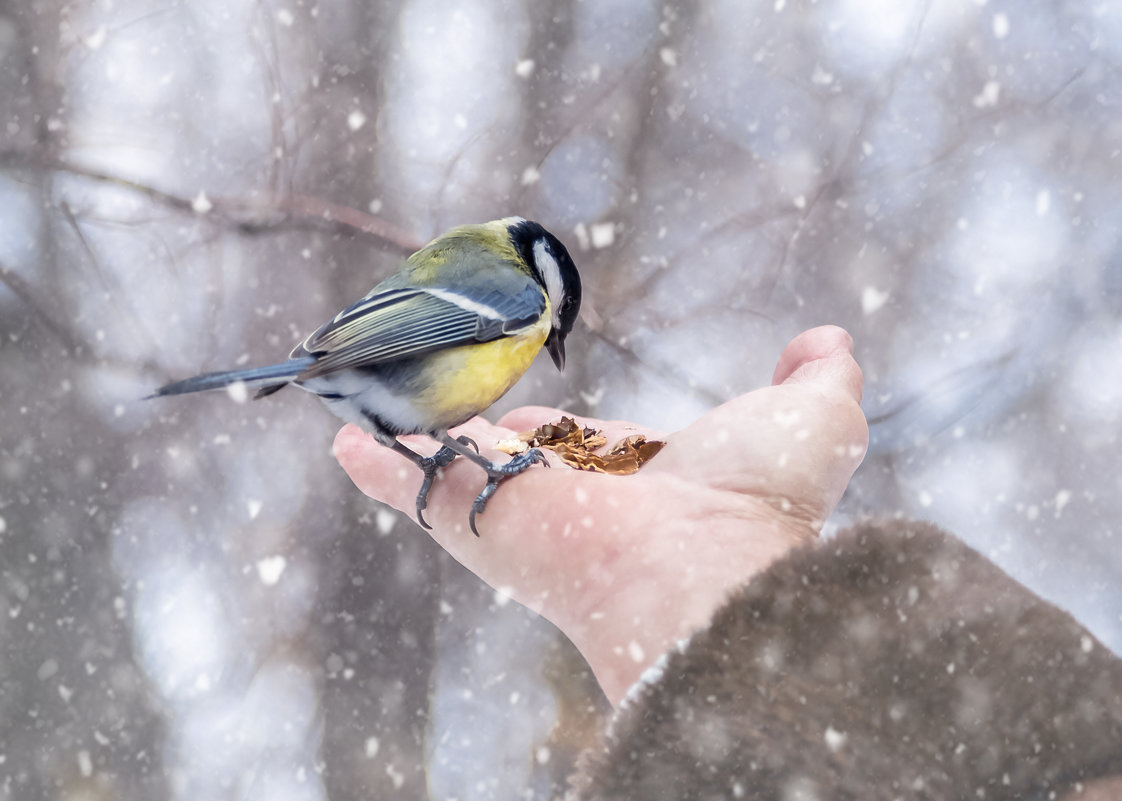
x: 824, y: 356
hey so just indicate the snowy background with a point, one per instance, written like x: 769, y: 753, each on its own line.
x: 195, y: 603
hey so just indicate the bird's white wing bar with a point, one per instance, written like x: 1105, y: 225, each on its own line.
x: 404, y: 323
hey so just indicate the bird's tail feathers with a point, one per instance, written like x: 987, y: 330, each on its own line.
x: 264, y: 379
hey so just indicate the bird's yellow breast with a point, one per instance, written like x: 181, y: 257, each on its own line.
x: 468, y: 379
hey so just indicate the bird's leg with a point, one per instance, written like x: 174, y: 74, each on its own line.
x: 496, y: 473
x: 429, y: 466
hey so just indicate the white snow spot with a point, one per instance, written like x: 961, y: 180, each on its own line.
x: 800, y: 202
x: 581, y: 495
x: 460, y: 121
x: 396, y: 776
x: 85, y: 764
x: 254, y: 506
x: 371, y: 747
x: 385, y: 520
x: 524, y: 68
x: 780, y: 4
x: 950, y: 668
x: 503, y: 595
x: 872, y: 299
x: 821, y: 77
x: 1043, y: 202
x: 65, y: 693
x: 375, y: 205
x: 238, y: 392
x: 581, y: 234
x: 669, y: 56
x: 835, y: 739
x: 3, y: 525
x: 1086, y: 644
x: 542, y: 755
x: 1000, y: 26
x: 270, y: 568
x: 786, y: 418
x: 356, y: 119
x: 47, y: 669
x: 592, y: 398
x: 603, y: 234
x: 201, y: 203
x: 285, y: 18
x: 925, y: 498
x: 96, y: 39
x: 531, y: 175
x: 635, y: 651
x: 988, y: 96
x: 1063, y: 497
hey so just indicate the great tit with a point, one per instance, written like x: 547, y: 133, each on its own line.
x: 435, y: 344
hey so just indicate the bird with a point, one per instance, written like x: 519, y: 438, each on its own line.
x: 435, y: 344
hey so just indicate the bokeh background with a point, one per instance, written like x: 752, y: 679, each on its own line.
x: 195, y: 603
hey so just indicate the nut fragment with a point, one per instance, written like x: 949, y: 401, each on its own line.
x: 576, y: 445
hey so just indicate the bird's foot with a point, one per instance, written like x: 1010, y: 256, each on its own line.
x: 430, y: 465
x: 496, y: 474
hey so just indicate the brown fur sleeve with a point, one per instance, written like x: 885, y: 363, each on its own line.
x: 893, y: 662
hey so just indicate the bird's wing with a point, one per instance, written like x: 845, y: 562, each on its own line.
x: 403, y: 322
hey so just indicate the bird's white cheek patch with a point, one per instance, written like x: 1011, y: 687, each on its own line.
x: 550, y: 271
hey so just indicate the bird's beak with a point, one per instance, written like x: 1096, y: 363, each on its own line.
x: 555, y: 344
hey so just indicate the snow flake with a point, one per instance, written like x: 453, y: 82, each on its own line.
x: 531, y: 175
x: 872, y: 299
x: 270, y: 568
x: 1063, y: 497
x: 385, y: 520
x: 201, y: 204
x: 603, y: 234
x: 1000, y: 26
x: 835, y: 740
x: 988, y: 96
x: 1043, y: 202
x: 356, y: 119
x: 96, y: 39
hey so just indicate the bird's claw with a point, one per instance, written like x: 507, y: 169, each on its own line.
x: 498, y: 473
x: 430, y: 465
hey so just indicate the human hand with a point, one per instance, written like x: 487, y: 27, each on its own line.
x: 628, y: 565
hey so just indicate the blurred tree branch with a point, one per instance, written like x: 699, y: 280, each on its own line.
x: 258, y: 214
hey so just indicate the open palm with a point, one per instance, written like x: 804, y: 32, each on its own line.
x: 628, y: 565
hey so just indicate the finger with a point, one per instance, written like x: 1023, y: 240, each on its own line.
x: 527, y: 418
x: 388, y: 477
x: 821, y: 355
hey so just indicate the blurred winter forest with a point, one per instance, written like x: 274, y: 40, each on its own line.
x: 196, y: 603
